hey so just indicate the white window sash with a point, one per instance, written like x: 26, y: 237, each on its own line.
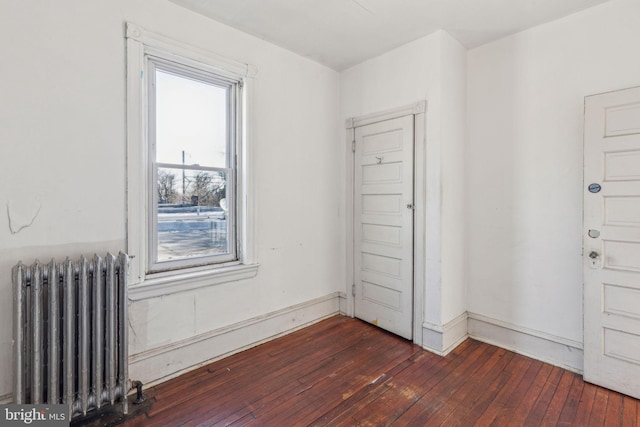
x: 154, y: 63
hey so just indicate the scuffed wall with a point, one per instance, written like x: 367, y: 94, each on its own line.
x: 525, y: 103
x: 63, y: 161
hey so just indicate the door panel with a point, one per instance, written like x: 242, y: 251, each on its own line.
x: 612, y: 253
x: 383, y: 224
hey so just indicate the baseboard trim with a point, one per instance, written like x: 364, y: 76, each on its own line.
x: 442, y: 339
x: 343, y: 303
x: 6, y: 399
x: 558, y: 351
x: 163, y: 363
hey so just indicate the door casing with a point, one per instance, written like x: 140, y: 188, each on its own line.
x: 418, y: 110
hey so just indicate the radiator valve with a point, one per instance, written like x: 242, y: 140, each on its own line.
x: 139, y: 397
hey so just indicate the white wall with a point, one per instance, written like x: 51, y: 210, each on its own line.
x: 524, y: 164
x: 397, y: 78
x: 431, y: 68
x: 62, y: 162
x: 453, y: 100
x: 62, y: 155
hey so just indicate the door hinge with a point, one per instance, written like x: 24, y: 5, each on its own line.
x: 353, y: 146
x: 353, y: 290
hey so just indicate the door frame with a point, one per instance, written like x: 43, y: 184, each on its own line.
x: 418, y: 110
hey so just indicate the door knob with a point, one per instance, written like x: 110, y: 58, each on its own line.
x: 594, y: 255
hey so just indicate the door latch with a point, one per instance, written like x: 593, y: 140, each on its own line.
x: 594, y: 260
x: 411, y: 206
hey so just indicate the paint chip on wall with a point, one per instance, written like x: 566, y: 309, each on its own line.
x: 22, y: 215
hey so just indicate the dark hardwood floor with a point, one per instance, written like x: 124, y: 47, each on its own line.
x: 344, y: 372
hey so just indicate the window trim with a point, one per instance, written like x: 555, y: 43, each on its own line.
x: 142, y: 44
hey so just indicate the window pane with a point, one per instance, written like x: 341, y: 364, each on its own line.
x: 191, y: 214
x: 191, y: 121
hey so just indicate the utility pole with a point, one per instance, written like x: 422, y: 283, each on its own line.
x: 184, y: 188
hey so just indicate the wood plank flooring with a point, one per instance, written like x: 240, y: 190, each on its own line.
x: 344, y: 372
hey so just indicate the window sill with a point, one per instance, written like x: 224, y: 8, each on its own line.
x: 182, y: 281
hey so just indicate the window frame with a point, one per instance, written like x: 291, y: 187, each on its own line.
x: 233, y: 119
x: 146, y: 281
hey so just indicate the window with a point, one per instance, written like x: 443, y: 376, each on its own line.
x: 190, y: 210
x: 192, y: 140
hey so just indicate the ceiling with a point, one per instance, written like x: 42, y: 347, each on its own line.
x: 342, y: 33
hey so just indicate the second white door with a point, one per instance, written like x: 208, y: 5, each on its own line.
x: 612, y: 241
x: 383, y: 224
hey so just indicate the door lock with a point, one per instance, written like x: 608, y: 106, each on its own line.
x: 411, y: 206
x: 594, y: 260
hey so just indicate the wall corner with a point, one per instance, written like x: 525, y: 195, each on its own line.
x: 442, y: 339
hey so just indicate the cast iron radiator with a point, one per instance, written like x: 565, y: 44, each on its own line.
x: 70, y: 333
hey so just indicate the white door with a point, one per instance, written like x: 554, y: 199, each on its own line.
x: 612, y: 241
x: 383, y: 224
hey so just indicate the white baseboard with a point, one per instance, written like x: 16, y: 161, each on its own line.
x: 558, y: 351
x: 343, y: 303
x: 441, y: 339
x: 160, y: 364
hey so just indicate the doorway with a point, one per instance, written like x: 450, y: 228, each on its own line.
x: 386, y: 227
